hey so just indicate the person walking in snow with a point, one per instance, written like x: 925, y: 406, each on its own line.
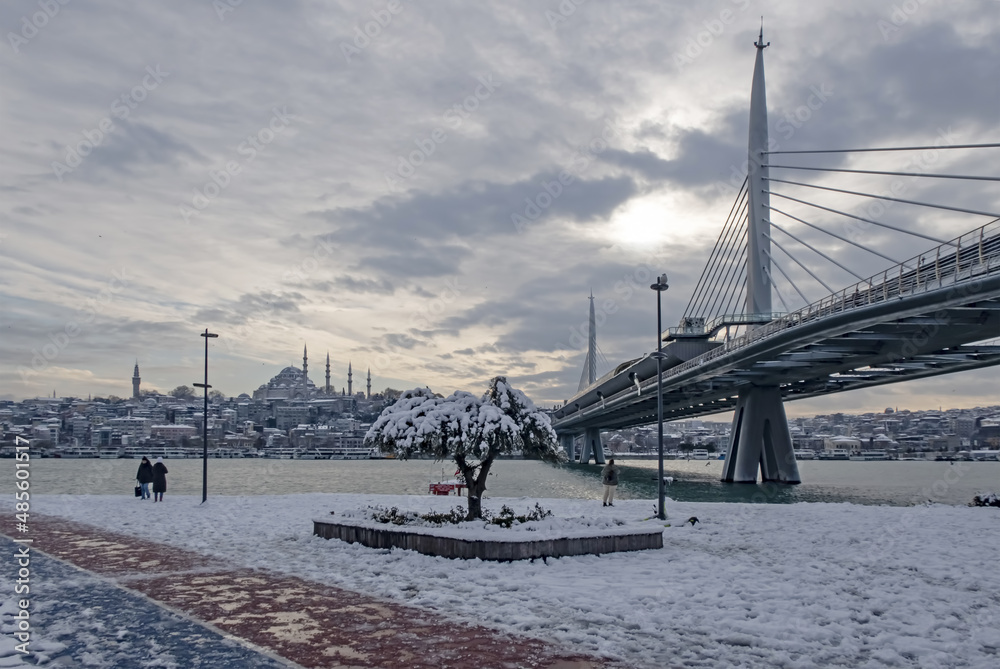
x: 609, y: 476
x: 159, y: 480
x: 144, y: 476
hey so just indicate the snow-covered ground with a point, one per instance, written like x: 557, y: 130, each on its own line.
x: 753, y: 585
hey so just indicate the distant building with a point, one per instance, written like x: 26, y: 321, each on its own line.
x: 293, y: 383
x: 173, y: 432
x: 135, y: 381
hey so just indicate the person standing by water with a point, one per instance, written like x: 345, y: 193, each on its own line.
x: 609, y: 476
x: 159, y: 480
x: 144, y: 476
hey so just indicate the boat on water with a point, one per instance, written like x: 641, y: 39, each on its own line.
x: 835, y: 454
x: 866, y: 456
x: 281, y: 453
x: 699, y: 454
x: 350, y: 453
x: 110, y: 452
x: 77, y: 452
x: 983, y: 454
x: 805, y: 454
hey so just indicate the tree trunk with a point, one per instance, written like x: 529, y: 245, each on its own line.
x: 476, y: 487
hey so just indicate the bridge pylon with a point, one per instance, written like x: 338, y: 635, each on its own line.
x: 759, y: 437
x: 592, y: 445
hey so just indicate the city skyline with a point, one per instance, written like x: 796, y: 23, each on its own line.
x: 385, y: 182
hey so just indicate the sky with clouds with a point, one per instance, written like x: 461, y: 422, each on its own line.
x: 432, y: 190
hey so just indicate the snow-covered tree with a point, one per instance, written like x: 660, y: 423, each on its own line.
x: 470, y: 430
x: 537, y: 438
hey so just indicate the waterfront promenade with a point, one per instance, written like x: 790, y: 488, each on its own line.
x: 810, y: 585
x: 214, y: 614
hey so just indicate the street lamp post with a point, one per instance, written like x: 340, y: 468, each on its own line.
x: 204, y: 422
x: 659, y: 287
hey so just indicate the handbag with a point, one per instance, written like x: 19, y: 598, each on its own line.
x: 138, y: 491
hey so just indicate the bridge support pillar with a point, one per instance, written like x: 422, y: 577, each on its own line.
x: 759, y: 439
x: 592, y: 445
x: 568, y: 443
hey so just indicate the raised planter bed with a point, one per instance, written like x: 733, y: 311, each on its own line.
x: 425, y: 541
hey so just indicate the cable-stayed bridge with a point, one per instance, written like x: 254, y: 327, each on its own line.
x: 934, y: 313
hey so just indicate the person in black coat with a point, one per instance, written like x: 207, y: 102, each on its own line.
x: 159, y: 480
x: 145, y: 476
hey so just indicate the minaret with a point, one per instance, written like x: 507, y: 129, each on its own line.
x: 135, y: 381
x: 327, y: 372
x: 369, y: 396
x: 350, y: 381
x: 305, y: 363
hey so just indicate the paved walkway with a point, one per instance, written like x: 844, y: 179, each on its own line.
x: 81, y: 620
x: 310, y: 624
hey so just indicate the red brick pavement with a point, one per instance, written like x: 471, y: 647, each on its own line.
x: 311, y: 624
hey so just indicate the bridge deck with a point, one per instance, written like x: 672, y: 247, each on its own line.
x: 916, y: 320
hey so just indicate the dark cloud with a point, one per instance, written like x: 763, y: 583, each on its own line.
x: 252, y: 307
x: 129, y: 148
x: 377, y: 286
x: 476, y: 209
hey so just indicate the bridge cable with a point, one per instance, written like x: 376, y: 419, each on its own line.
x: 963, y: 177
x: 741, y: 264
x: 801, y: 264
x: 718, y: 283
x: 584, y: 381
x: 892, y: 199
x: 603, y: 363
x: 892, y: 148
x: 815, y: 250
x: 787, y: 278
x: 729, y: 268
x: 775, y: 287
x: 833, y: 234
x: 720, y: 243
x: 861, y: 218
x: 735, y: 271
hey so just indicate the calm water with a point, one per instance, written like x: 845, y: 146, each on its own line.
x: 898, y: 483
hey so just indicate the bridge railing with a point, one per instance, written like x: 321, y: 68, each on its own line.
x: 976, y: 253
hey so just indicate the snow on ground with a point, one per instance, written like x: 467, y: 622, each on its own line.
x: 753, y: 585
